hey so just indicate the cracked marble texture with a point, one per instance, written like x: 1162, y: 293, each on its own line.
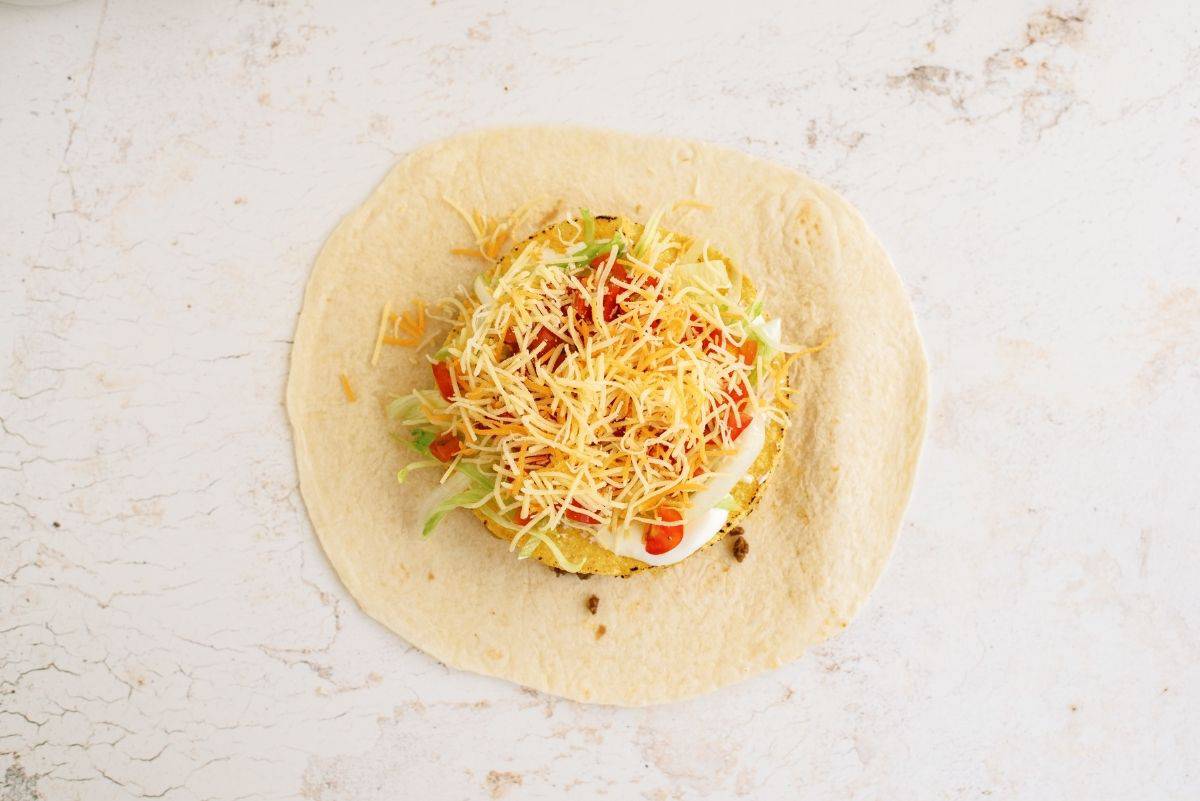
x: 170, y: 629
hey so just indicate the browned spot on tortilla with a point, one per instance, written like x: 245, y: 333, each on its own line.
x: 600, y: 631
x: 593, y: 603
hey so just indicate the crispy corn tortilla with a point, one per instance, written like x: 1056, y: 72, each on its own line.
x: 824, y: 527
x: 575, y: 545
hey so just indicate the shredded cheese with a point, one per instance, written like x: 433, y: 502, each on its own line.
x: 491, y: 234
x: 597, y: 395
x: 407, y: 330
x: 347, y: 390
x: 383, y: 321
x: 691, y: 203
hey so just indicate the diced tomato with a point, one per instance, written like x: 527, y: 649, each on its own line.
x: 612, y: 291
x: 713, y: 337
x: 520, y: 519
x: 579, y: 301
x: 599, y: 261
x: 737, y: 416
x: 749, y: 350
x: 611, y: 310
x: 738, y: 419
x: 665, y: 534
x: 580, y: 516
x: 441, y: 374
x: 545, y: 340
x: 510, y: 338
x: 445, y: 447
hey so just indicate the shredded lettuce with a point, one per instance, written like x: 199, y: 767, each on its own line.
x: 493, y: 514
x: 536, y: 538
x: 407, y: 410
x: 589, y: 252
x: 729, y: 504
x: 471, y: 485
x: 589, y: 226
x: 479, y: 477
x: 421, y: 439
x: 591, y: 248
x: 420, y: 464
x: 543, y: 538
x: 457, y: 491
x: 404, y: 408
x: 769, y: 336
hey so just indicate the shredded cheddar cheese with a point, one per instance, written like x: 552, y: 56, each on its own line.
x: 383, y: 321
x: 598, y: 393
x: 692, y: 203
x: 491, y: 234
x: 407, y: 331
x: 347, y: 390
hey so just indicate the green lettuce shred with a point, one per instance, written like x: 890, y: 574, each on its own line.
x: 729, y: 504
x: 449, y: 497
x: 589, y: 226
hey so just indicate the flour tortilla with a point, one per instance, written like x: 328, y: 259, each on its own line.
x: 825, y: 525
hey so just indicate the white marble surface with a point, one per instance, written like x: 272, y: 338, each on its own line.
x: 169, y: 627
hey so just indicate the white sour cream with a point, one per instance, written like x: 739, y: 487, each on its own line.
x: 702, y: 521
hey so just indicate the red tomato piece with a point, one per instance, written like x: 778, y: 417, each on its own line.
x: 445, y: 447
x: 664, y: 535
x: 749, y: 350
x: 612, y: 291
x: 739, y: 418
x: 441, y: 374
x: 580, y: 516
x: 579, y: 301
x: 520, y: 519
x: 544, y: 341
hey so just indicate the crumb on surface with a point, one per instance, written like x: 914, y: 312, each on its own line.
x: 593, y: 603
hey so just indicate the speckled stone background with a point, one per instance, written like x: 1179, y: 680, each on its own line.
x: 168, y: 625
